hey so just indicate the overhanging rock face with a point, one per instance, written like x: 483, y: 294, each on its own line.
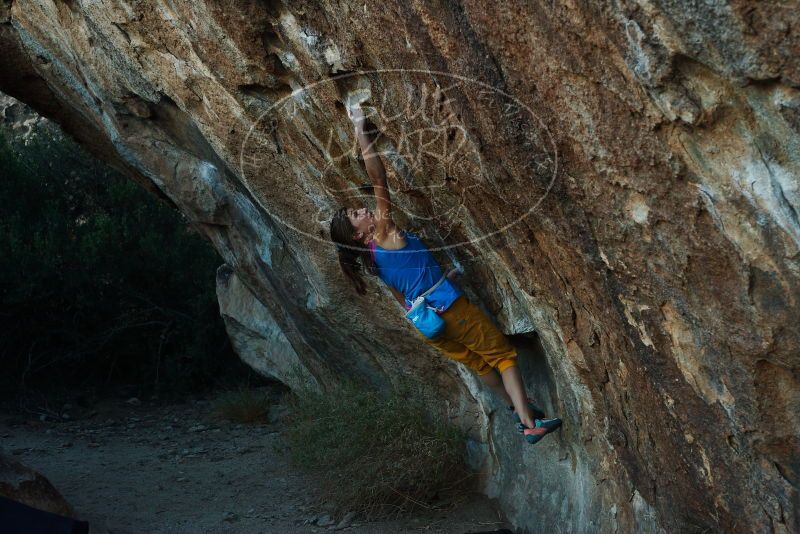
x: 620, y: 178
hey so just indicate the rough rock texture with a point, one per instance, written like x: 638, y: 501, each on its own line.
x: 619, y: 177
x: 258, y: 339
x: 20, y: 119
x: 22, y: 484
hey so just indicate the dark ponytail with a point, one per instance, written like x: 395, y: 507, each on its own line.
x: 351, y: 251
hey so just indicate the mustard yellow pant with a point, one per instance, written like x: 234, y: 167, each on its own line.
x: 471, y: 338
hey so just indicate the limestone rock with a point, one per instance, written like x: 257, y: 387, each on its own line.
x: 22, y: 484
x: 255, y: 335
x: 619, y: 178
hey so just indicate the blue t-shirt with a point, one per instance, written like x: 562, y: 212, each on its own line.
x: 412, y: 270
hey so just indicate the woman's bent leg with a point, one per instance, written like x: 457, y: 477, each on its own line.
x: 480, y: 335
x: 458, y: 352
x: 493, y: 380
x: 512, y: 380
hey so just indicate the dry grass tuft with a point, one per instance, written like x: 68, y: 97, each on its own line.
x: 242, y: 405
x: 380, y: 455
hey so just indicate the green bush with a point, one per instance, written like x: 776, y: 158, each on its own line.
x: 380, y: 456
x: 100, y: 282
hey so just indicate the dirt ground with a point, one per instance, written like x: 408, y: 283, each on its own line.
x: 170, y: 467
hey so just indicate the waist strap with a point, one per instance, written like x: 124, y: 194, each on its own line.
x: 421, y: 298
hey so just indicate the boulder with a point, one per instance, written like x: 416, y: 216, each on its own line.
x: 619, y: 182
x: 22, y: 484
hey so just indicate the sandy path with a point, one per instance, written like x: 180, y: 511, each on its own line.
x: 171, y: 468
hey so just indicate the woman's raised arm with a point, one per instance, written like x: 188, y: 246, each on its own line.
x: 384, y: 224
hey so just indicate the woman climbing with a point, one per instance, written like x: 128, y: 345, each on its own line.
x: 408, y: 268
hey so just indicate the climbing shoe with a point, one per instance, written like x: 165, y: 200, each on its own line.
x: 543, y: 427
x: 538, y: 413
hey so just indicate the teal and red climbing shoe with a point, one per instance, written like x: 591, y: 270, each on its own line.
x: 543, y: 427
x: 537, y: 412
